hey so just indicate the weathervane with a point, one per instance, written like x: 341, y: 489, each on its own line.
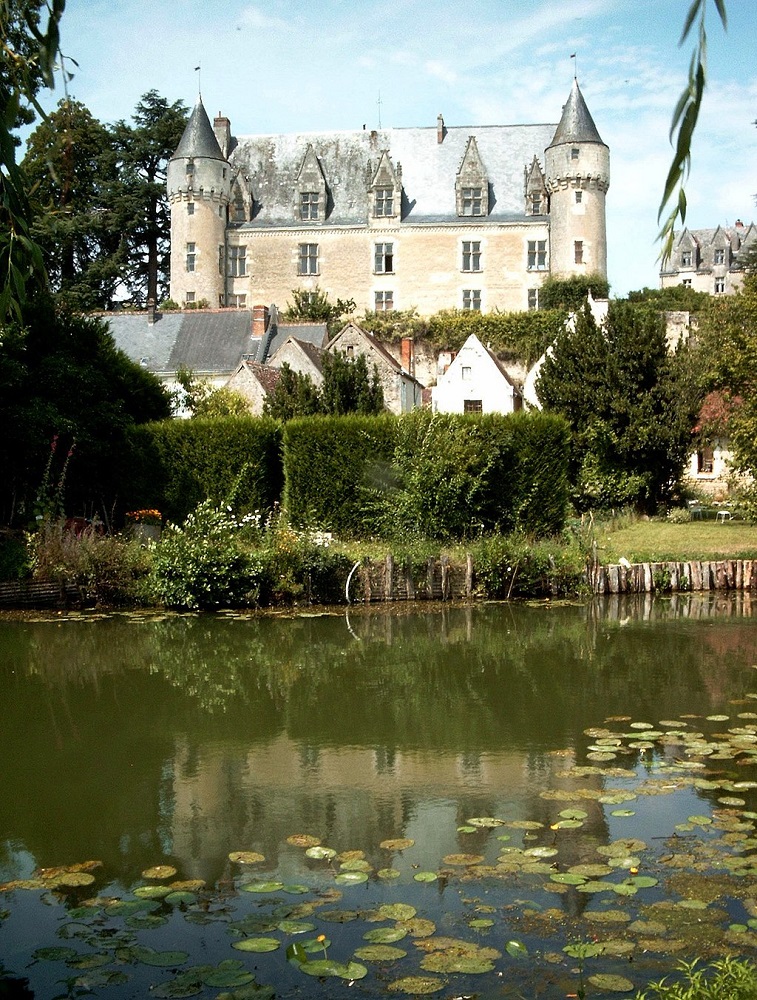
x: 198, y: 71
x: 575, y: 66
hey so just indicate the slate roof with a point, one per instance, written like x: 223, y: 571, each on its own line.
x: 270, y: 164
x: 199, y: 139
x: 200, y: 340
x: 576, y: 124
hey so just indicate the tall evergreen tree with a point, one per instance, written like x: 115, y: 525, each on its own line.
x: 140, y: 204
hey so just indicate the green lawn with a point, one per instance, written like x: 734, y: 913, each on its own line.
x: 660, y: 541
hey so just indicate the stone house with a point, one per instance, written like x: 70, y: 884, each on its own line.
x: 402, y: 391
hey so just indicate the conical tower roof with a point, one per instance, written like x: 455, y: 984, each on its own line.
x: 199, y: 139
x: 576, y: 124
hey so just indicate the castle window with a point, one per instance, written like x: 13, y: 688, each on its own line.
x: 190, y: 297
x: 719, y: 257
x: 472, y: 299
x: 383, y: 202
x: 533, y: 298
x: 190, y: 208
x: 383, y: 258
x: 191, y: 256
x: 220, y: 211
x: 686, y: 258
x: 236, y: 262
x: 307, y: 261
x: 537, y: 254
x: 471, y: 201
x: 575, y: 153
x: 472, y: 406
x: 383, y: 301
x: 190, y: 168
x: 239, y: 213
x: 237, y: 301
x: 309, y: 201
x: 579, y: 197
x: 719, y: 286
x: 578, y: 251
x: 536, y: 203
x: 471, y: 255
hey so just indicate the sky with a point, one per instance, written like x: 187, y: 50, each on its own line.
x: 311, y: 65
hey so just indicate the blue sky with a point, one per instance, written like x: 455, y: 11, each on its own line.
x: 306, y: 65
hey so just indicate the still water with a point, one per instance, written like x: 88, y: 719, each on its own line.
x: 504, y: 744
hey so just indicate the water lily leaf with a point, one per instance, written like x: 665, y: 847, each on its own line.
x: 517, y: 949
x: 352, y: 856
x: 442, y: 961
x: 161, y: 959
x: 320, y: 853
x: 53, y: 954
x: 504, y: 837
x: 338, y: 916
x: 246, y: 857
x: 583, y: 949
x: 385, y: 935
x: 642, y: 725
x: 567, y: 824
x: 379, y: 953
x: 295, y: 926
x: 152, y: 891
x: 700, y: 820
x: 388, y: 873
x: 466, y: 829
x: 425, y: 876
x: 485, y: 822
x: 623, y: 812
x: 397, y: 911
x: 295, y: 889
x: 573, y: 814
x: 178, y: 898
x: 692, y: 904
x: 417, y: 985
x: 159, y: 871
x: 567, y: 878
x: 257, y: 944
x: 145, y: 921
x: 357, y: 865
x: 624, y: 889
x: 643, y: 881
x: 614, y: 984
x: 524, y: 824
x: 72, y: 880
x: 462, y: 860
x: 326, y: 967
x: 303, y: 840
x: 480, y: 923
x: 600, y: 755
x: 596, y: 885
x: 351, y: 878
x: 262, y: 886
x: 188, y: 885
x: 418, y: 927
x: 186, y: 984
x: 310, y: 947
x: 541, y: 852
x: 397, y: 844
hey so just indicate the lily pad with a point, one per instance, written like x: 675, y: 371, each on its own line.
x: 385, y: 935
x: 388, y: 873
x: 485, y: 822
x: 257, y: 944
x: 246, y: 857
x: 303, y: 840
x: 295, y: 926
x: 152, y: 891
x: 53, y: 954
x: 264, y: 887
x: 397, y: 844
x: 319, y: 853
x: 325, y: 967
x: 159, y: 871
x: 517, y: 949
x: 417, y: 985
x: 397, y: 911
x: 611, y: 983
x: 425, y: 876
x: 161, y: 959
x: 462, y: 860
x: 379, y: 953
x: 443, y: 961
x: 351, y: 878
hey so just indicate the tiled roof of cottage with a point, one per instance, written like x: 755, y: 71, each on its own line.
x: 270, y: 165
x: 267, y: 376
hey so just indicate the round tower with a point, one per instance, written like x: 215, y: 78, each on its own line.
x: 577, y: 179
x: 199, y: 182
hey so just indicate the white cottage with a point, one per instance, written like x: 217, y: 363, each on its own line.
x: 475, y: 382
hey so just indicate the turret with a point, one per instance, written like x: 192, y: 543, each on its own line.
x: 577, y: 179
x: 199, y: 182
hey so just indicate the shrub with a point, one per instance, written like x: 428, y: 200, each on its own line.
x: 514, y: 565
x: 731, y: 978
x: 679, y: 515
x: 208, y: 561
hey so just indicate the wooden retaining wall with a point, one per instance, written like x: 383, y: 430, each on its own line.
x: 391, y: 581
x: 645, y: 578
x: 30, y: 594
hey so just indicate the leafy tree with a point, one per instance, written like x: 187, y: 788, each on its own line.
x: 140, y: 204
x: 62, y: 380
x: 571, y: 293
x: 27, y: 60
x: 348, y: 387
x: 676, y: 297
x: 294, y: 395
x: 202, y: 399
x: 315, y: 307
x: 71, y: 162
x: 630, y: 403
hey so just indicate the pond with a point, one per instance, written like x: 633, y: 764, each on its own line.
x: 398, y: 801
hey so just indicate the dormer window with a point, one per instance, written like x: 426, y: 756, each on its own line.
x: 383, y: 202
x: 536, y: 203
x: 311, y: 193
x: 472, y: 183
x: 309, y: 205
x: 719, y: 256
x: 472, y: 201
x: 686, y: 258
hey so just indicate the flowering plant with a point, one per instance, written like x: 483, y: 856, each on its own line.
x: 145, y: 517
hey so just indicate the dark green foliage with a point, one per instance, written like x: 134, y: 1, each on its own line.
x: 62, y: 381
x: 336, y: 470
x: 676, y: 298
x: 571, y: 293
x: 515, y: 565
x: 348, y: 386
x: 175, y: 465
x: 294, y: 395
x: 315, y: 307
x: 630, y: 403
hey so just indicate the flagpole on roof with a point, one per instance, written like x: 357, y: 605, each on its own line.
x: 575, y: 66
x: 198, y: 71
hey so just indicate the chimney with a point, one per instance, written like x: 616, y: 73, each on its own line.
x: 440, y: 129
x: 151, y: 312
x: 739, y: 224
x: 259, y: 321
x: 222, y: 129
x: 408, y: 355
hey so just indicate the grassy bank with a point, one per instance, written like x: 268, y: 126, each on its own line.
x: 662, y: 541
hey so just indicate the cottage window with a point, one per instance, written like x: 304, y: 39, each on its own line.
x: 383, y: 258
x: 537, y: 254
x: 471, y: 255
x: 471, y: 201
x: 307, y: 260
x: 466, y: 373
x: 719, y: 257
x: 190, y: 297
x: 719, y: 286
x: 472, y: 406
x: 705, y: 459
x: 237, y: 262
x: 578, y: 251
x: 309, y: 204
x: 533, y: 298
x: 384, y: 301
x: 191, y: 256
x: 686, y: 282
x: 686, y: 258
x: 472, y: 299
x: 383, y: 202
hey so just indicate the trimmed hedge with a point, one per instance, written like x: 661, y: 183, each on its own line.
x: 176, y: 464
x: 336, y: 471
x: 427, y: 475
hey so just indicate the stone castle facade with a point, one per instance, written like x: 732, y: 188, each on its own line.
x: 709, y: 260
x: 430, y: 218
